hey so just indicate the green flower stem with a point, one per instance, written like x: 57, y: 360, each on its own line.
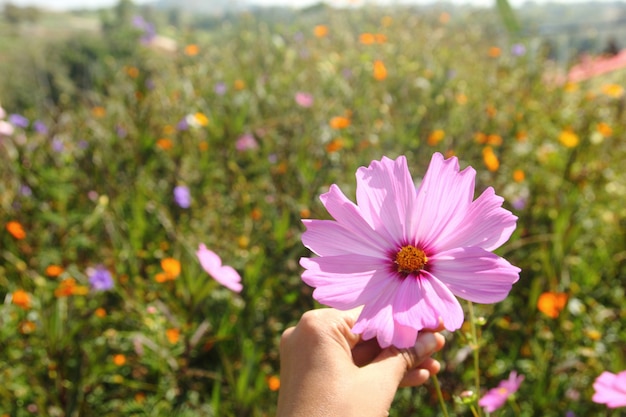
x: 475, y: 351
x: 440, y: 396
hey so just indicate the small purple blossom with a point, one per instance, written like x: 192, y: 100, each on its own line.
x: 246, y: 142
x: 58, y: 145
x: 100, y: 278
x: 40, y: 127
x: 304, y: 99
x: 220, y: 88
x: 182, y: 125
x: 120, y: 131
x: 519, y: 203
x: 518, y: 49
x: 25, y: 190
x: 496, y: 397
x: 182, y: 196
x: 18, y: 120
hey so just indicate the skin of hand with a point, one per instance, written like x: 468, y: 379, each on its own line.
x: 326, y: 370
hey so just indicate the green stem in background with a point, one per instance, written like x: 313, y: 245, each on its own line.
x: 475, y: 351
x: 442, y: 403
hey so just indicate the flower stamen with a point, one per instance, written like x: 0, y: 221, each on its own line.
x: 410, y: 259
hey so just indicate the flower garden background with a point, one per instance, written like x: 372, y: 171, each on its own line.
x: 124, y: 148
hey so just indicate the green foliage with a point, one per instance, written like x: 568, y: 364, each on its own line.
x: 101, y: 181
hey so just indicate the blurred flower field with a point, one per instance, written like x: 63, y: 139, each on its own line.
x: 110, y: 183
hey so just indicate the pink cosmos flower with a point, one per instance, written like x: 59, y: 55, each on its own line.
x: 610, y: 389
x: 496, y: 397
x: 246, y: 142
x: 224, y: 274
x: 403, y: 254
x: 304, y: 99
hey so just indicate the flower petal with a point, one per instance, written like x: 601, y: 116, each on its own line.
x: 329, y: 238
x: 386, y: 196
x: 422, y: 300
x: 610, y: 389
x: 486, y: 224
x: 442, y: 199
x: 346, y: 281
x: 212, y: 264
x: 474, y: 274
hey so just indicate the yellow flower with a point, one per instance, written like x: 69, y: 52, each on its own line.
x: 490, y: 159
x: 320, y: 31
x: 613, y: 90
x: 98, y: 111
x: 201, y: 118
x: 568, y: 138
x: 436, y: 136
x: 380, y: 72
x: 461, y: 99
x: 386, y: 21
x: 16, y: 230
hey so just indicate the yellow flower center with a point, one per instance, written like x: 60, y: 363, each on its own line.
x: 410, y: 259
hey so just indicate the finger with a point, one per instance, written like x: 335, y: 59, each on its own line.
x: 419, y: 375
x: 365, y: 352
x: 426, y: 344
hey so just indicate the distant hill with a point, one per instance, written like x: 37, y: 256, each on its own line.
x: 211, y: 7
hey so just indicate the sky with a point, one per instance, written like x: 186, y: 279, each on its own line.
x: 74, y: 4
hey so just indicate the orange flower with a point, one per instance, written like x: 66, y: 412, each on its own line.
x: 480, y: 137
x: 273, y: 383
x: 119, y: 359
x: 168, y: 129
x: 494, y: 52
x: 27, y: 327
x: 444, y: 18
x: 16, y: 230
x: 192, y: 49
x: 98, y: 111
x: 334, y: 145
x: 461, y: 99
x: 518, y: 175
x: 171, y: 267
x: 256, y: 214
x: 165, y: 144
x: 239, y: 84
x: 339, y: 122
x: 521, y: 136
x: 568, y: 138
x: 21, y: 298
x: 380, y: 72
x: 69, y: 287
x: 490, y: 159
x: 491, y: 110
x: 100, y: 312
x: 367, y: 38
x: 380, y: 38
x: 552, y: 303
x: 203, y: 146
x: 320, y: 31
x: 436, y: 136
x: 133, y: 72
x: 604, y: 129
x: 54, y: 271
x: 172, y: 335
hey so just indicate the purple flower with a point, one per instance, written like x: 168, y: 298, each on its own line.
x: 139, y: 22
x: 404, y: 253
x: 246, y: 142
x: 610, y: 389
x: 25, y: 190
x: 40, y: 127
x: 18, y: 120
x: 496, y: 397
x: 100, y: 278
x: 182, y: 196
x: 304, y: 99
x: 220, y: 88
x: 120, y: 131
x: 224, y: 274
x: 182, y: 125
x: 518, y: 49
x: 519, y: 203
x: 57, y: 145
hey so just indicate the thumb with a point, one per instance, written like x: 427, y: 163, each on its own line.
x: 393, y: 364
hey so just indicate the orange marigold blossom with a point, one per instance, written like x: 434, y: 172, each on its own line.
x: 518, y: 175
x: 165, y: 144
x: 495, y: 140
x: 69, y: 287
x: 367, y: 38
x: 604, y: 129
x: 172, y: 335
x: 491, y: 159
x: 436, y: 136
x: 494, y: 52
x: 380, y: 71
x: 133, y: 72
x: 201, y: 119
x: 192, y: 49
x: 27, y: 327
x: 171, y: 268
x: 98, y: 111
x: 239, y: 84
x: 380, y: 37
x: 334, y: 145
x: 100, y: 312
x: 320, y: 31
x: 54, y: 271
x: 119, y: 359
x: 339, y: 122
x: 552, y: 303
x: 613, y: 90
x: 16, y: 229
x: 568, y: 138
x: 21, y: 299
x: 273, y: 383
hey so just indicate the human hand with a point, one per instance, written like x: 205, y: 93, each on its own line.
x: 326, y: 370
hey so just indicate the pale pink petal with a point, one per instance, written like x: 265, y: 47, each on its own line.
x: 421, y: 301
x: 329, y: 238
x: 610, y: 389
x: 212, y: 264
x: 346, y: 281
x: 474, y: 274
x: 486, y: 224
x: 442, y: 199
x: 385, y: 194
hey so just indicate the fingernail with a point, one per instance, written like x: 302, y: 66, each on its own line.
x: 428, y: 343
